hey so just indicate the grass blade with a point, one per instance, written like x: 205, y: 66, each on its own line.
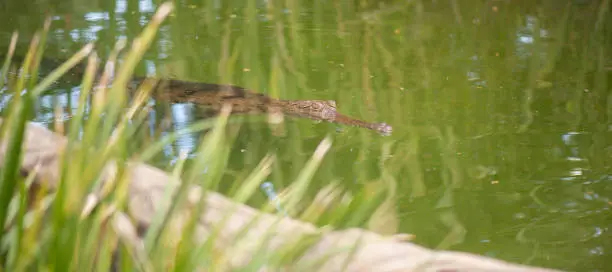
x: 9, y: 56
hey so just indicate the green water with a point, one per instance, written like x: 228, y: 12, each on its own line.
x: 501, y: 140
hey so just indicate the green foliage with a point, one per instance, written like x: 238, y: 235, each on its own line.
x: 73, y: 225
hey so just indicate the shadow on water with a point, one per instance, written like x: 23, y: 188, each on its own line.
x: 500, y: 108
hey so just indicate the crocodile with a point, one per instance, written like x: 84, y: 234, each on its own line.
x: 242, y: 100
x: 246, y: 101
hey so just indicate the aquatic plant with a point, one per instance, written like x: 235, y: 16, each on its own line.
x: 78, y: 217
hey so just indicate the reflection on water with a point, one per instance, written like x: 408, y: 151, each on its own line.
x: 500, y: 108
x: 270, y: 192
x: 182, y: 116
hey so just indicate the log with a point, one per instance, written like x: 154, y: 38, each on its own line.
x: 348, y: 250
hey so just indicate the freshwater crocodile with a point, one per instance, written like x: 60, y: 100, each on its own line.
x: 246, y: 101
x: 242, y: 100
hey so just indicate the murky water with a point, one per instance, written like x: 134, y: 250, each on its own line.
x: 500, y: 108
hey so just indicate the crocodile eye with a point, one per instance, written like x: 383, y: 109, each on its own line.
x: 331, y: 103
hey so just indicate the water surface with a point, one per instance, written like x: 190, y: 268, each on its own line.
x: 499, y: 108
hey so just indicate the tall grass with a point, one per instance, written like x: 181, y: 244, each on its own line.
x: 81, y: 222
x: 456, y: 95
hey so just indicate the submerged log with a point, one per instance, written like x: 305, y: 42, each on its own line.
x: 336, y: 250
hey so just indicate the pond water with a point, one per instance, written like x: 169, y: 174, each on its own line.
x: 499, y: 108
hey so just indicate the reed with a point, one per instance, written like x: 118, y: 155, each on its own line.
x: 58, y: 230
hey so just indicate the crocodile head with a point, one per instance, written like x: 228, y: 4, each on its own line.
x: 324, y: 110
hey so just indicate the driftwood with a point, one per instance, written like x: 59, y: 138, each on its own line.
x: 373, y: 253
